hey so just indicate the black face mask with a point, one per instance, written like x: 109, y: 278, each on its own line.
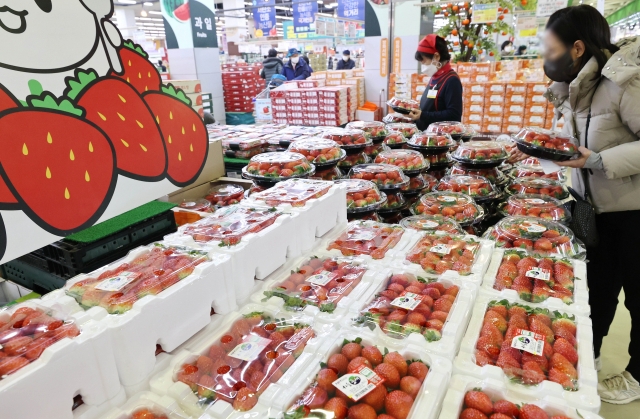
x: 560, y: 69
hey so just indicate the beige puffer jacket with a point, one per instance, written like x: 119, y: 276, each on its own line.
x: 614, y: 129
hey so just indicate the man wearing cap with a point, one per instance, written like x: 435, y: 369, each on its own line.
x: 271, y: 65
x: 346, y: 63
x: 442, y: 98
x: 295, y: 68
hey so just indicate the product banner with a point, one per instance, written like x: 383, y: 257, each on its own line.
x: 351, y: 9
x: 527, y: 26
x: 262, y: 3
x: 485, y: 13
x: 304, y: 17
x: 189, y: 23
x: 547, y: 7
x: 264, y: 20
x: 326, y: 26
x: 339, y: 27
x: 203, y: 26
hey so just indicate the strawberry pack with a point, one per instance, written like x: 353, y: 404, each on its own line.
x: 538, y: 186
x: 351, y: 140
x: 367, y: 238
x: 437, y: 253
x: 276, y: 166
x: 493, y: 175
x: 545, y: 144
x: 362, y: 195
x: 531, y: 168
x: 475, y: 186
x: 396, y: 117
x: 431, y: 143
x: 225, y: 195
x: 403, y: 106
x: 421, y: 183
x: 411, y: 162
x: 353, y: 160
x: 200, y: 205
x: 295, y: 192
x: 375, y: 130
x: 454, y: 205
x: 432, y: 224
x: 395, y: 140
x: 319, y: 151
x: 480, y: 154
x: 386, y: 176
x: 454, y: 129
x: 533, y: 205
x: 407, y: 130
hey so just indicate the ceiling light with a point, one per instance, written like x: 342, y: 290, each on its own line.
x: 127, y: 1
x: 148, y: 4
x: 332, y: 5
x: 143, y: 13
x: 153, y: 12
x: 282, y: 8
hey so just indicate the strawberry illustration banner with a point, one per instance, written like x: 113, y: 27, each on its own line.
x: 87, y: 129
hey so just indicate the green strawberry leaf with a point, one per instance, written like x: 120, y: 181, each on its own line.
x: 135, y: 47
x: 48, y: 101
x: 253, y: 314
x: 328, y: 308
x: 176, y: 93
x: 78, y: 83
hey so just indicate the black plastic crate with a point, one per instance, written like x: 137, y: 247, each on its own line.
x: 31, y: 277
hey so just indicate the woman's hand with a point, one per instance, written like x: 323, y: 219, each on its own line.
x: 516, y: 156
x: 415, y: 115
x: 579, y: 162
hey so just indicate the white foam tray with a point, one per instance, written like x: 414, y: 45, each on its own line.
x: 427, y: 403
x: 453, y: 329
x: 496, y: 390
x: 84, y: 365
x: 156, y: 404
x: 85, y: 411
x: 580, y: 290
x: 586, y: 397
x: 163, y: 382
x: 167, y: 319
x: 479, y: 267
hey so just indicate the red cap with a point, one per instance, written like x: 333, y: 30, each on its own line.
x: 428, y: 44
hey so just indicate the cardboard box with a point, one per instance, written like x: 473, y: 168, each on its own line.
x: 196, y: 98
x: 189, y: 86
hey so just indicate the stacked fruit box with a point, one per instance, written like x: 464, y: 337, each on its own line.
x: 240, y: 87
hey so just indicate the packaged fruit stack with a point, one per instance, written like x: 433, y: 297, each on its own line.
x: 535, y: 205
x: 545, y: 144
x: 353, y: 142
x: 457, y: 206
x: 375, y: 130
x: 477, y: 187
x: 399, y: 133
x: 363, y: 198
x: 493, y: 175
x: 538, y: 186
x: 323, y: 153
x: 267, y: 169
x: 225, y: 195
x: 403, y: 106
x: 435, y: 148
x: 243, y: 146
x: 455, y: 129
x: 480, y: 154
x: 367, y: 239
x: 531, y: 168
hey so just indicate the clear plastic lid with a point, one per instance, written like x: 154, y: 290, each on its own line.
x: 319, y: 151
x: 409, y: 304
x: 330, y: 174
x: 507, y: 141
x: 347, y: 138
x: 403, y: 106
x: 26, y: 331
x: 432, y: 223
x: 367, y: 238
x: 408, y: 130
x: 492, y: 174
x: 320, y: 282
x: 242, y: 143
x: 543, y: 236
x: 229, y: 224
x: 295, y: 192
x: 439, y: 160
x: 437, y: 253
x: 437, y: 142
x: 550, y: 142
x: 254, y: 189
x: 480, y: 153
x: 241, y: 365
x: 447, y: 127
x: 456, y: 206
x: 278, y: 165
x: 529, y: 168
x: 364, y: 216
x: 385, y: 176
x: 372, y: 129
x: 475, y: 186
x: 469, y: 132
x: 421, y: 183
x: 532, y: 205
x: 395, y: 202
x: 537, y: 186
x: 395, y: 139
x: 410, y: 161
x: 225, y: 195
x: 362, y: 195
x: 244, y: 154
x: 396, y: 117
x: 354, y: 159
x: 373, y: 150
x: 122, y: 284
x: 201, y: 205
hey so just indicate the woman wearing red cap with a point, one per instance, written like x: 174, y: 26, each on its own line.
x: 442, y: 99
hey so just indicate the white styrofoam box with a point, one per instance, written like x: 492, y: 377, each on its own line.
x: 579, y: 306
x: 256, y: 256
x: 163, y: 383
x: 427, y: 403
x: 168, y: 318
x: 149, y: 401
x: 496, y: 390
x: 85, y: 411
x: 586, y: 397
x: 374, y: 275
x: 452, y: 331
x: 84, y: 365
x: 479, y: 267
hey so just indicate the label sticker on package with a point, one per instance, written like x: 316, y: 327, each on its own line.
x: 116, y: 283
x: 445, y: 198
x: 322, y: 279
x: 427, y: 224
x: 361, y: 235
x: 407, y: 300
x: 358, y: 384
x: 533, y: 227
x: 539, y: 273
x: 441, y: 249
x: 528, y: 341
x: 250, y: 348
x: 534, y: 201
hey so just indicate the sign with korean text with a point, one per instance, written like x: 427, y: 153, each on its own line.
x: 527, y: 26
x: 264, y: 20
x: 351, y: 9
x: 304, y: 17
x: 384, y: 56
x: 262, y: 3
x: 547, y: 7
x: 203, y: 28
x: 397, y: 55
x: 484, y: 13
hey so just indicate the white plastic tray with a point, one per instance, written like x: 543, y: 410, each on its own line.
x: 147, y: 400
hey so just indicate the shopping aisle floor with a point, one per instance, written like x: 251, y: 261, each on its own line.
x: 614, y: 360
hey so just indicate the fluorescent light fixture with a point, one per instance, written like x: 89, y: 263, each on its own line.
x: 325, y: 14
x: 285, y: 17
x: 127, y: 1
x: 332, y: 5
x: 143, y: 13
x: 148, y: 4
x: 153, y: 12
x: 282, y: 8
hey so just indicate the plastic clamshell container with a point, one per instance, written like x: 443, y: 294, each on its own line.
x: 533, y: 205
x: 395, y: 202
x: 475, y: 186
x: 362, y: 195
x: 410, y: 161
x: 74, y: 358
x: 366, y: 238
x: 421, y: 183
x: 373, y: 150
x: 296, y: 192
x: 147, y: 405
x: 395, y: 139
x: 259, y: 348
x: 532, y: 168
x: 439, y: 161
x: 403, y: 106
x: 386, y: 176
x: 354, y: 160
x: 493, y: 175
x: 432, y: 224
x: 348, y: 138
x: 330, y: 174
x: 566, y: 289
x: 447, y: 127
x: 375, y: 130
x: 538, y: 186
x: 455, y: 205
x: 241, y: 143
x: 453, y: 403
x: 396, y: 117
x: 427, y: 401
x: 406, y: 129
x: 431, y: 142
x: 481, y: 154
x: 277, y: 166
x: 319, y: 151
x: 546, y: 144
x: 585, y: 396
x: 200, y: 205
x: 225, y: 195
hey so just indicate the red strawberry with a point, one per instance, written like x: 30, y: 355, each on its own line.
x: 362, y: 411
x: 419, y: 370
x: 11, y: 364
x: 491, y: 330
x: 531, y: 411
x: 372, y: 354
x: 506, y: 408
x: 540, y: 314
x: 71, y: 163
x: 560, y: 377
x: 338, y: 407
x: 563, y: 273
x: 469, y: 413
x: 325, y: 380
x: 509, y: 365
x: 398, y: 404
x: 566, y: 349
x: 7, y: 101
x: 183, y: 131
x: 500, y: 416
x: 118, y: 109
x: 478, y: 400
x: 541, y: 360
x: 411, y: 386
x: 245, y: 399
x: 389, y: 373
x: 500, y: 308
x: 352, y: 350
x: 532, y: 373
x: 488, y: 347
x: 564, y: 324
x: 398, y: 361
x: 482, y: 359
x: 559, y: 362
x: 338, y: 363
x: 537, y: 326
x: 498, y: 320
x: 137, y: 69
x: 375, y: 398
x: 517, y: 311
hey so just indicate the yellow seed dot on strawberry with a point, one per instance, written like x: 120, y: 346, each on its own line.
x: 120, y: 115
x: 143, y: 147
x: 122, y: 99
x: 158, y: 119
x: 90, y: 147
x: 86, y: 176
x: 128, y: 80
x: 179, y: 156
x: 194, y: 127
x: 104, y: 118
x: 139, y: 124
x: 25, y: 150
x: 182, y: 130
x: 67, y: 195
x: 139, y: 75
x: 72, y: 156
x: 129, y: 63
x: 169, y: 140
x: 191, y: 147
x: 149, y: 74
x: 126, y: 144
x: 49, y: 138
x: 146, y: 88
x: 48, y: 173
x: 170, y: 115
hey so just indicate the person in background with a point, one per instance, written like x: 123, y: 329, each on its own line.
x: 306, y: 59
x: 162, y: 67
x: 522, y: 50
x: 506, y: 50
x: 442, y: 99
x: 346, y: 63
x: 295, y: 68
x: 271, y: 65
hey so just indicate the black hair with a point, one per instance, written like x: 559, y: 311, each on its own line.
x: 273, y: 53
x: 521, y: 49
x: 441, y: 47
x: 584, y: 23
x: 504, y: 44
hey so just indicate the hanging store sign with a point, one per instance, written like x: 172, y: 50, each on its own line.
x: 304, y: 17
x: 351, y: 9
x: 484, y: 13
x: 264, y: 20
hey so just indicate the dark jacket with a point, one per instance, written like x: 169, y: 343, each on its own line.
x: 301, y: 72
x: 271, y: 66
x: 346, y: 65
x: 447, y: 106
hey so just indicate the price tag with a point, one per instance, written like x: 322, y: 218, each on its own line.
x: 250, y: 348
x: 363, y: 235
x: 528, y: 341
x: 533, y: 227
x: 539, y: 273
x: 441, y: 249
x: 322, y: 279
x: 534, y: 201
x: 116, y: 283
x: 407, y: 300
x: 358, y: 384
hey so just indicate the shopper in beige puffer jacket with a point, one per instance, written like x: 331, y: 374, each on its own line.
x: 594, y: 77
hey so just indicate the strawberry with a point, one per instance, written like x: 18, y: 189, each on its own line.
x: 338, y: 363
x: 372, y: 354
x: 566, y: 349
x: 389, y: 373
x: 509, y: 365
x: 541, y: 291
x: 398, y: 404
x: 563, y: 273
x: 7, y: 101
x: 532, y: 373
x: 352, y: 350
x: 491, y: 331
x: 478, y: 400
x: 245, y: 399
x: 398, y: 361
x: 541, y: 314
x: 469, y: 413
x: 410, y: 385
x: 489, y: 347
x: 506, y: 408
x: 563, y: 293
x: 513, y: 352
x: 118, y: 109
x: 375, y: 398
x: 183, y: 131
x: 564, y: 324
x: 497, y: 319
x: 137, y: 69
x: 560, y: 377
x: 362, y: 411
x: 541, y: 360
x: 537, y: 326
x: 71, y: 160
x: 338, y: 407
x: 419, y: 370
x: 482, y: 359
x: 11, y: 364
x: 325, y: 380
x: 500, y: 307
x: 531, y: 411
x: 562, y: 364
x: 517, y: 310
x: 500, y: 416
x: 524, y: 291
